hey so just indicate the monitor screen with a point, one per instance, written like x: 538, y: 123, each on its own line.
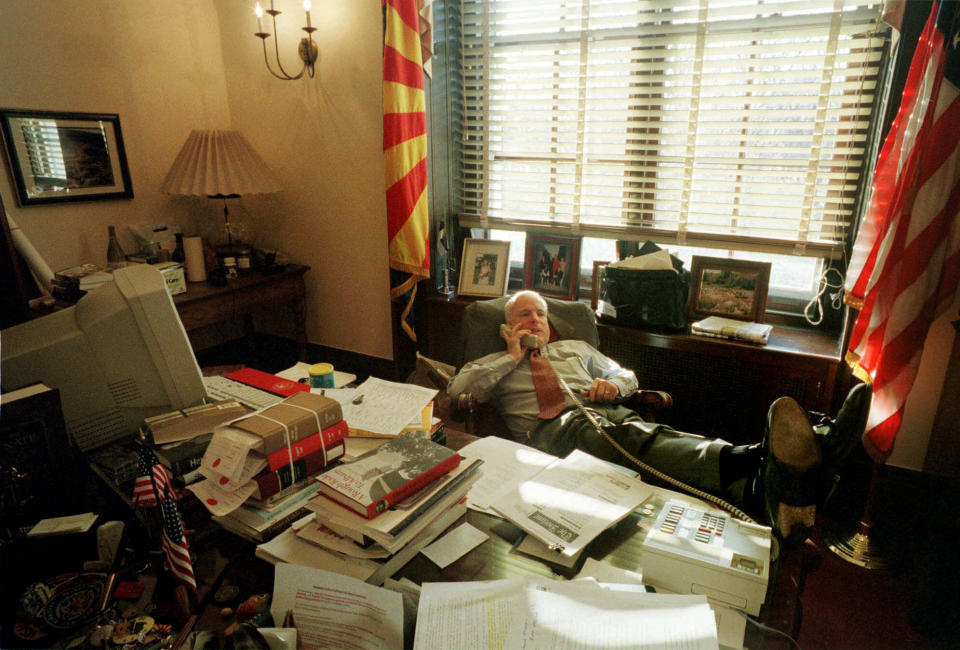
x: 118, y: 356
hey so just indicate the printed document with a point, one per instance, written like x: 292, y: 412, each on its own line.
x: 381, y: 408
x: 571, y: 501
x: 537, y: 612
x: 506, y: 464
x: 332, y: 610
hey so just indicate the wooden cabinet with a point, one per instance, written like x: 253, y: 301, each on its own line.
x: 205, y: 304
x: 720, y: 388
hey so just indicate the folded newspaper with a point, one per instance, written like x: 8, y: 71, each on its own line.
x: 727, y: 328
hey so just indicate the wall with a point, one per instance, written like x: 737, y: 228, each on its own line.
x: 323, y: 137
x: 143, y: 61
x: 173, y: 66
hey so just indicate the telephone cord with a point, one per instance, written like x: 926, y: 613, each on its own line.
x: 706, y: 496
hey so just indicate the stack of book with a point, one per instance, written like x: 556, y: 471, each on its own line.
x: 257, y: 470
x: 374, y: 514
x: 72, y: 283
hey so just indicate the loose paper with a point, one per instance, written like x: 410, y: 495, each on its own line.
x: 332, y: 610
x: 506, y: 465
x: 572, y: 501
x: 454, y: 545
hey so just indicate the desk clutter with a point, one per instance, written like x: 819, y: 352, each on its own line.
x: 330, y: 495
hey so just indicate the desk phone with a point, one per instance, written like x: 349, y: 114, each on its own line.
x: 690, y: 547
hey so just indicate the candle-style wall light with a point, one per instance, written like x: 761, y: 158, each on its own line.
x: 307, y: 50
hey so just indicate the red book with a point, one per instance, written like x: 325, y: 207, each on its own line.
x: 327, y: 437
x: 270, y: 482
x: 397, y: 469
x: 266, y: 381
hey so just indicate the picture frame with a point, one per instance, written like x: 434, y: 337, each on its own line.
x: 484, y: 268
x: 729, y: 288
x: 552, y: 265
x: 58, y: 156
x: 595, y: 283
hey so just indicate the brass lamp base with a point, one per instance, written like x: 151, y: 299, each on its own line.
x: 855, y: 547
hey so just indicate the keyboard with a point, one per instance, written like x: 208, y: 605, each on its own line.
x: 220, y: 388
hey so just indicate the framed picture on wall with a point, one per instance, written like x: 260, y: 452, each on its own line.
x: 552, y: 265
x: 484, y: 267
x: 729, y: 288
x: 57, y: 156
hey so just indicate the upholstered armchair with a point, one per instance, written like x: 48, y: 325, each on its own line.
x: 480, y: 335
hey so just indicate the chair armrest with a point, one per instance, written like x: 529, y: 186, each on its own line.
x: 649, y: 403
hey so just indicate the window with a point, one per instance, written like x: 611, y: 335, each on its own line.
x: 700, y: 124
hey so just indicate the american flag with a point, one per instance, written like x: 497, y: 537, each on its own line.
x: 153, y: 480
x: 151, y: 488
x: 174, y: 543
x: 906, y: 260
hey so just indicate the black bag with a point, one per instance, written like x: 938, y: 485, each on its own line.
x: 654, y: 299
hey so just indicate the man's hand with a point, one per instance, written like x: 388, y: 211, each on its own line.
x: 601, y: 390
x: 512, y: 336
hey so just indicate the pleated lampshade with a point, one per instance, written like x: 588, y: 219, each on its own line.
x: 219, y: 164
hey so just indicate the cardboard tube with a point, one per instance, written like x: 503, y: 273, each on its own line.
x: 193, y: 258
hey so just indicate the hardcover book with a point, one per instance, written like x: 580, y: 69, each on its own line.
x: 396, y: 469
x: 315, y: 443
x: 270, y: 482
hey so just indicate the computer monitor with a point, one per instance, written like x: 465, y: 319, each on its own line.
x: 118, y: 356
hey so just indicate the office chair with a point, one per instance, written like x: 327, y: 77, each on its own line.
x: 480, y: 335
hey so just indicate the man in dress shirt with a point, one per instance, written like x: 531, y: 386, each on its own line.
x: 780, y: 481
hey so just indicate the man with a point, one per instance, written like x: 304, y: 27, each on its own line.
x: 781, y: 481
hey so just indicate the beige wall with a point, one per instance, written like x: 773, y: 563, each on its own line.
x: 172, y: 66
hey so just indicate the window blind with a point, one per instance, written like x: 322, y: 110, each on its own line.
x: 721, y: 123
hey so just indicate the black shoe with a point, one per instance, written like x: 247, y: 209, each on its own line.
x: 791, y: 471
x: 838, y: 437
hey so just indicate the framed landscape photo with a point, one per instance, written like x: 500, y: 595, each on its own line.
x: 57, y: 156
x: 729, y: 288
x: 484, y: 268
x: 552, y: 265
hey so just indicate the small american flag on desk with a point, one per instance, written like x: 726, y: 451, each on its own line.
x: 152, y: 488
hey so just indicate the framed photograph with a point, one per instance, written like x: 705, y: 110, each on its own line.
x: 595, y: 283
x: 552, y: 265
x: 729, y: 288
x: 484, y: 268
x: 58, y: 156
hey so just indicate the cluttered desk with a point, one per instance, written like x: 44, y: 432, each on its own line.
x: 356, y: 494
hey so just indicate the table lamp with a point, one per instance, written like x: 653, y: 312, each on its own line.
x: 219, y: 164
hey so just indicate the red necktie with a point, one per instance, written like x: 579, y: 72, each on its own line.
x: 549, y: 394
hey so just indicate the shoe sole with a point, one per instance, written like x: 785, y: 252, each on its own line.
x: 793, y: 447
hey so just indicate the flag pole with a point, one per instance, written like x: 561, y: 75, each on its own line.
x: 858, y: 546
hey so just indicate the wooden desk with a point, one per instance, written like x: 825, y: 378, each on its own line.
x: 205, y: 304
x: 494, y: 560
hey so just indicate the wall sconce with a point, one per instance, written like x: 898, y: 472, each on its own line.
x: 307, y: 49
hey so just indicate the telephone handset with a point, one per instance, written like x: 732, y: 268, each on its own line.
x: 527, y: 340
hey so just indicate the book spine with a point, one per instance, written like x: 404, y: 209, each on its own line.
x: 271, y: 482
x: 411, y: 486
x: 327, y: 437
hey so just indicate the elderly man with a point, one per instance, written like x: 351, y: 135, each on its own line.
x: 780, y: 481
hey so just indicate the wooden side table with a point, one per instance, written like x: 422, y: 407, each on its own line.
x: 205, y: 304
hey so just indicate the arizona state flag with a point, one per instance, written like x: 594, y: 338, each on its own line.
x: 405, y: 148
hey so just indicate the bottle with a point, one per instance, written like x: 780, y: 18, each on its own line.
x: 178, y: 254
x: 115, y: 256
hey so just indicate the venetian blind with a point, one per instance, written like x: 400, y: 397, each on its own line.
x: 732, y: 123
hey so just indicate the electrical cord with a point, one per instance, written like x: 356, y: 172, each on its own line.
x: 836, y: 299
x: 706, y: 496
